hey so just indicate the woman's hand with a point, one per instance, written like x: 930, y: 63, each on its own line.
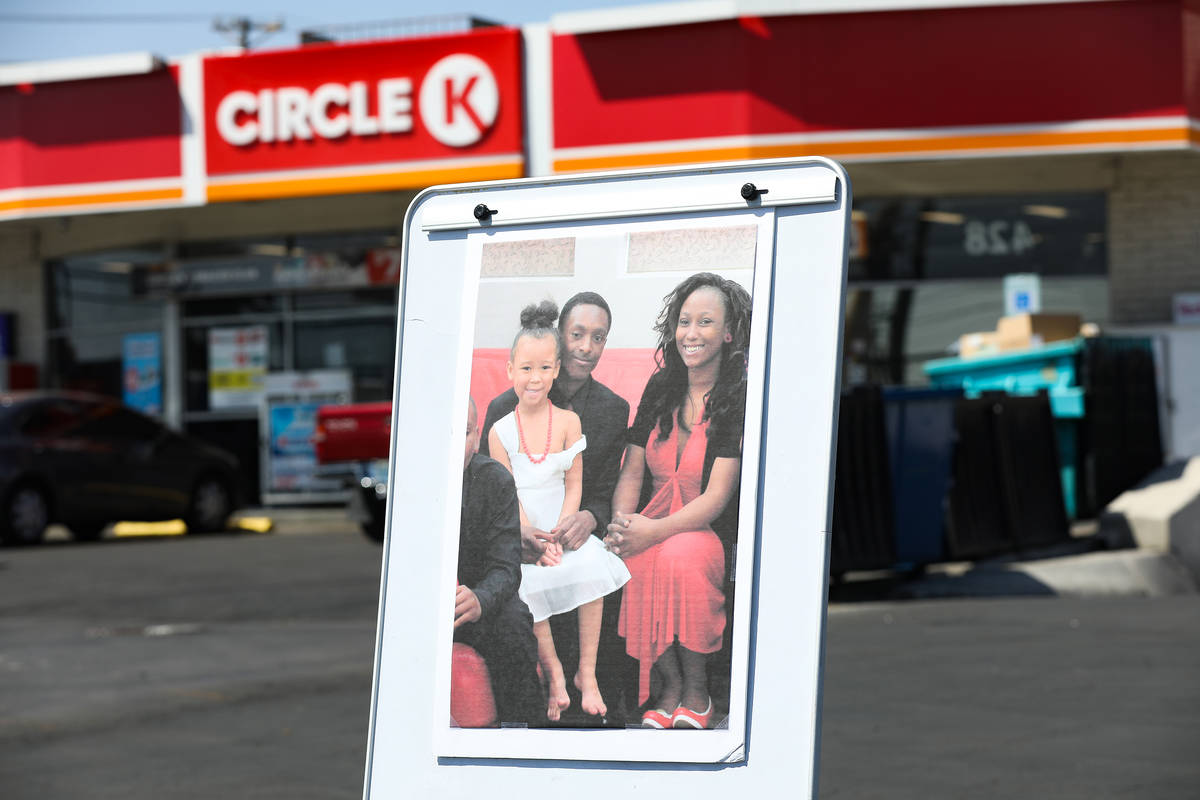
x: 630, y: 534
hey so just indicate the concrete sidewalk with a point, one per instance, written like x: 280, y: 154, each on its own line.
x: 1080, y: 567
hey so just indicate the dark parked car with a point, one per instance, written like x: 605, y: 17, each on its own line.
x: 86, y: 461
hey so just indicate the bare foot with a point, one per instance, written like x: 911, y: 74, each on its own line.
x: 559, y: 699
x: 591, y: 700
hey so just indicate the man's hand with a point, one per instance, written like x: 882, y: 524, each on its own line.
x: 574, y: 529
x: 533, y: 544
x: 466, y: 606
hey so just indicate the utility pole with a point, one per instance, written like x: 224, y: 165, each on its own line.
x: 243, y: 27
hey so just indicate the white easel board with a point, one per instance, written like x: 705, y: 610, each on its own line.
x: 474, y: 254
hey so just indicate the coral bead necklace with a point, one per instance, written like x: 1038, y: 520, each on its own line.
x: 521, y: 436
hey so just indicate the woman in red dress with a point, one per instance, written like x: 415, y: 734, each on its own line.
x: 687, y: 435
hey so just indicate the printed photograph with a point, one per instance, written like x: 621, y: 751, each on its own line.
x: 603, y: 478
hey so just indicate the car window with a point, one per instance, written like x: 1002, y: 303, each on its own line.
x: 52, y: 418
x: 112, y: 422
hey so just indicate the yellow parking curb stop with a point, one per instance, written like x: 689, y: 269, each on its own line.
x: 170, y: 527
x: 254, y: 524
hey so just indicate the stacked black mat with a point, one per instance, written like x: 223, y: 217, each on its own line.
x: 1007, y: 489
x: 864, y: 535
x: 1120, y: 441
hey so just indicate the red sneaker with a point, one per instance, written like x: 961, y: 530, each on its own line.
x: 686, y: 718
x: 657, y: 718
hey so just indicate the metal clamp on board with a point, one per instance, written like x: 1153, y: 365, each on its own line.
x: 750, y: 192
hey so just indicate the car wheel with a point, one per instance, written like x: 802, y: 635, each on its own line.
x: 373, y: 527
x: 373, y: 530
x: 210, y: 507
x: 24, y: 515
x: 87, y: 531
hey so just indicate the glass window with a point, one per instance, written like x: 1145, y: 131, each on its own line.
x: 89, y: 360
x: 113, y: 423
x: 51, y: 418
x: 100, y: 289
x: 892, y: 331
x: 367, y: 347
x: 234, y: 306
x: 359, y: 298
x: 978, y: 237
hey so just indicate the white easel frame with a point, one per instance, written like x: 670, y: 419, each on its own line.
x: 798, y: 309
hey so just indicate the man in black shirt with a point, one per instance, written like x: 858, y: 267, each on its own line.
x: 584, y: 324
x: 488, y: 613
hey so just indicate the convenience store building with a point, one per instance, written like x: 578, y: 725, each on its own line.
x: 246, y: 208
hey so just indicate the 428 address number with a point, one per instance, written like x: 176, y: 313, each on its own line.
x: 997, y: 237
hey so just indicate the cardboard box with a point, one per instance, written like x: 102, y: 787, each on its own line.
x: 981, y: 343
x: 1022, y: 331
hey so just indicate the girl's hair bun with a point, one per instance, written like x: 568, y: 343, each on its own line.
x: 541, y: 315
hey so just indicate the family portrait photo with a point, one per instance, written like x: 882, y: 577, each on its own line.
x: 603, y: 465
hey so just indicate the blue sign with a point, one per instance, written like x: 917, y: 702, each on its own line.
x: 293, y: 454
x: 142, y: 370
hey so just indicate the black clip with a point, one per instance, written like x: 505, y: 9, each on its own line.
x: 751, y: 192
x: 483, y: 213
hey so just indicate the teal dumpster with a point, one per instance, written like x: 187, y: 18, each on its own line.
x: 1054, y: 368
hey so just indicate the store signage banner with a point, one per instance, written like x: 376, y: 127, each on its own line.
x: 123, y: 148
x: 237, y: 362
x: 615, y: 106
x: 289, y: 414
x: 377, y: 266
x: 141, y: 363
x: 376, y: 103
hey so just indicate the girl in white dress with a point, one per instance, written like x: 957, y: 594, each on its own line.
x: 540, y: 444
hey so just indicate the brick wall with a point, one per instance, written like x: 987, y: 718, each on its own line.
x: 1154, y: 234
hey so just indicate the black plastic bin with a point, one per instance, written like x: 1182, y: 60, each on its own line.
x: 920, y: 435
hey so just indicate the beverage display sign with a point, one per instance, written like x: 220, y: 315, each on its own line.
x: 288, y: 415
x: 237, y: 362
x: 141, y: 361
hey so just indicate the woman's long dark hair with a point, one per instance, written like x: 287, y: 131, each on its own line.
x: 725, y: 404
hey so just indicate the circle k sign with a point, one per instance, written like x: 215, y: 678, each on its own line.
x: 459, y: 100
x: 458, y: 104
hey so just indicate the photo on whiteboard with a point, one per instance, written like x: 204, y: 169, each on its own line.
x: 610, y: 471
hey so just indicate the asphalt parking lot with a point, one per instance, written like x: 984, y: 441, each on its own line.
x: 240, y: 665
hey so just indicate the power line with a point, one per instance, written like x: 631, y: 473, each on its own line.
x: 119, y: 19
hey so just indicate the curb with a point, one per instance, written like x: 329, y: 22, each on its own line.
x: 304, y: 520
x: 1119, y: 573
